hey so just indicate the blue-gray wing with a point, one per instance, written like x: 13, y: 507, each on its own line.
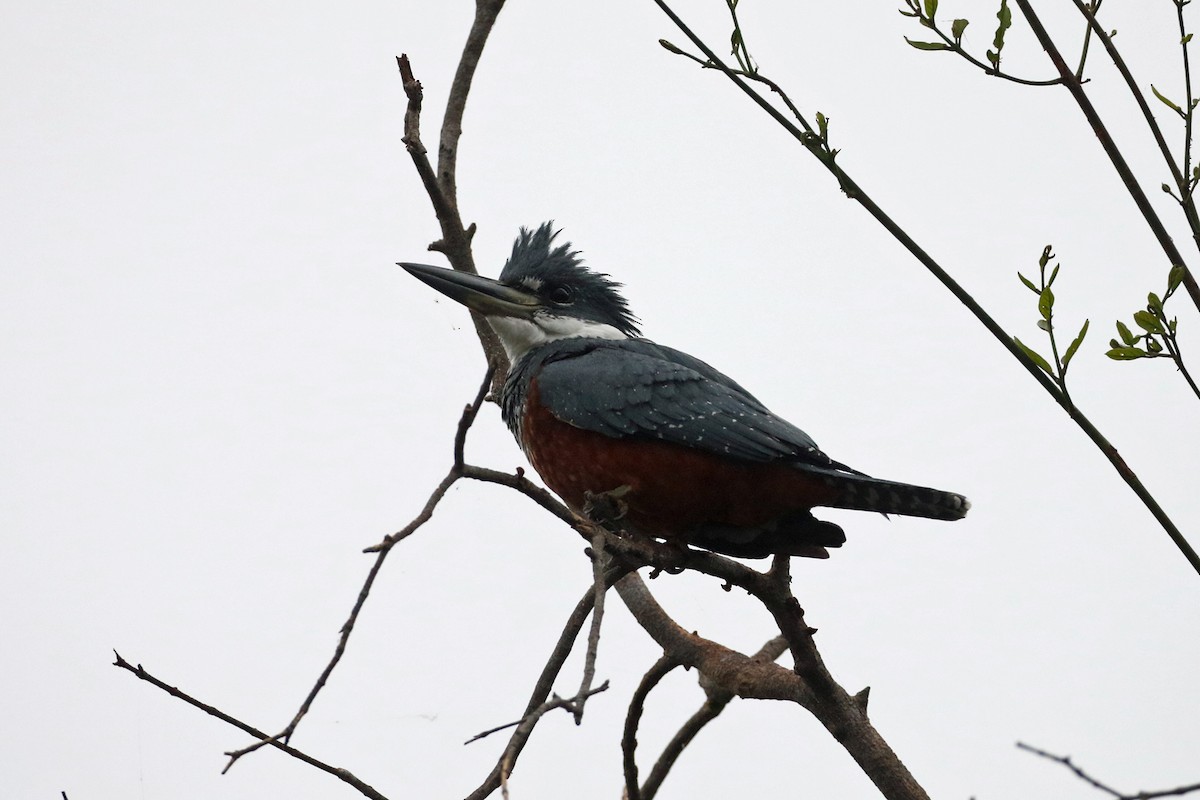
x: 635, y: 388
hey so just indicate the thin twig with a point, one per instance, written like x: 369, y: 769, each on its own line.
x: 486, y: 12
x: 954, y: 45
x: 1083, y: 776
x: 1186, y: 198
x: 599, y: 590
x: 440, y: 186
x: 469, y: 414
x: 338, y: 772
x: 541, y: 690
x: 633, y: 717
x: 383, y: 548
x: 1189, y: 114
x: 569, y: 703
x: 443, y: 204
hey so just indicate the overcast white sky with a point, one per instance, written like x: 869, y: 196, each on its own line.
x: 218, y: 389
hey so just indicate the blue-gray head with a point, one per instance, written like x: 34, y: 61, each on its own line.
x: 545, y: 293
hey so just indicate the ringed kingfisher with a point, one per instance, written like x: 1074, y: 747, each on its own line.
x: 688, y: 455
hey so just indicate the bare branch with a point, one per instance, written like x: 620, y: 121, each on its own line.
x: 383, y: 548
x: 599, y: 590
x: 456, y: 241
x: 486, y: 12
x: 341, y: 774
x: 1069, y: 764
x: 569, y: 703
x: 721, y: 667
x: 633, y: 718
x: 714, y: 703
x: 811, y: 686
x: 469, y: 414
x: 542, y: 689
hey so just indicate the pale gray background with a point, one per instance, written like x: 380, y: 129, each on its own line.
x: 218, y: 389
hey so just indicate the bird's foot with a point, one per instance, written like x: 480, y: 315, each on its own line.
x: 607, y: 507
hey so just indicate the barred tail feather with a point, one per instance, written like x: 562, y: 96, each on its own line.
x: 888, y: 497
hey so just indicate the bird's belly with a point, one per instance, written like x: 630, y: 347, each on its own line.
x: 672, y: 490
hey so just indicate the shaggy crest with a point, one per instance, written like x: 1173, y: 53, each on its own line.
x: 536, y: 264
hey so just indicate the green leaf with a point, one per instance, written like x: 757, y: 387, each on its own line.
x: 1186, y: 39
x: 1053, y: 275
x: 1029, y: 284
x: 823, y: 126
x: 1005, y: 17
x: 1044, y: 325
x: 668, y: 46
x: 1126, y: 336
x: 1034, y: 357
x: 1147, y: 322
x: 1167, y: 102
x: 931, y: 8
x: 1075, y: 344
x: 1046, y: 302
x: 1166, y: 189
x: 1154, y: 304
x: 1125, y: 353
x: 1152, y: 345
x: 993, y: 57
x: 957, y: 27
x: 1175, y: 278
x: 1047, y: 254
x: 927, y: 45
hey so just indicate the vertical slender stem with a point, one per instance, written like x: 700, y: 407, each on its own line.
x: 1076, y: 89
x: 1187, y: 117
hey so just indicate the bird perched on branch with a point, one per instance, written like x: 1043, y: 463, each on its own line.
x: 677, y: 450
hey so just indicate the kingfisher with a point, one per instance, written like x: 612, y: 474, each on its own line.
x: 680, y: 451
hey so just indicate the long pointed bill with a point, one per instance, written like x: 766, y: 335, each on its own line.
x: 482, y: 294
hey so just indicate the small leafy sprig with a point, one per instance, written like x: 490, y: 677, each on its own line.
x: 1057, y: 371
x: 1158, y: 333
x: 925, y: 12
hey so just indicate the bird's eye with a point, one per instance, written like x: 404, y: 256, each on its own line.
x: 562, y: 295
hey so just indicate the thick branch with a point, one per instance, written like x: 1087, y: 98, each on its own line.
x: 810, y: 686
x: 715, y: 701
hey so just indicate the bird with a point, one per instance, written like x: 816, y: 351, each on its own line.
x: 664, y: 445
